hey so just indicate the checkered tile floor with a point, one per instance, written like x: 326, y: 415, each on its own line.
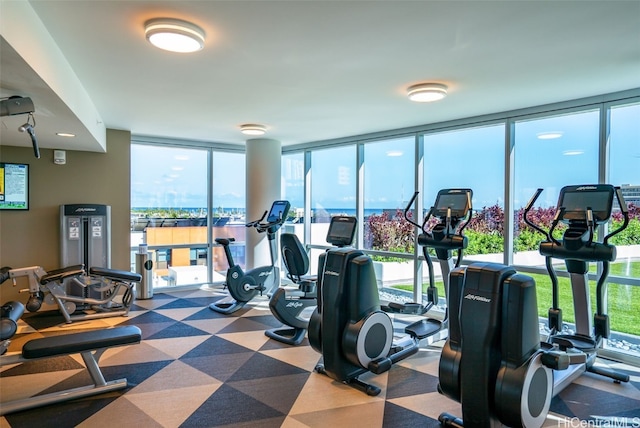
x: 198, y: 368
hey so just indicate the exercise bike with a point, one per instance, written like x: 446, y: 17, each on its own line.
x: 244, y: 286
x: 493, y: 362
x: 79, y: 295
x: 292, y: 307
x: 348, y: 326
x: 452, y: 210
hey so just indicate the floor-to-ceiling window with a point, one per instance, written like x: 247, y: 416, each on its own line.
x: 228, y: 196
x: 178, y: 213
x: 333, y: 191
x: 550, y: 153
x: 624, y: 170
x: 169, y: 210
x: 388, y: 185
x: 292, y: 190
x: 469, y: 158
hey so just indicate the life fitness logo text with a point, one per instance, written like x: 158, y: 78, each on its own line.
x: 477, y: 298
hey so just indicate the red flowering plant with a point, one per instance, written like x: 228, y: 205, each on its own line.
x: 485, y: 231
x: 392, y: 234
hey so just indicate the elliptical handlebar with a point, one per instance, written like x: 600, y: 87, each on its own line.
x: 469, y: 214
x: 547, y: 234
x: 528, y: 207
x: 554, y: 224
x: 625, y: 212
x: 408, y: 208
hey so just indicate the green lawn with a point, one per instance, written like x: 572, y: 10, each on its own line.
x: 623, y: 305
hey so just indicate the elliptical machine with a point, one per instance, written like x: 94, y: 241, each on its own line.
x: 452, y: 209
x: 582, y: 208
x: 348, y: 326
x: 244, y: 286
x: 493, y: 362
x: 292, y: 307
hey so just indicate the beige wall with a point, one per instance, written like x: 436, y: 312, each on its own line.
x: 32, y: 238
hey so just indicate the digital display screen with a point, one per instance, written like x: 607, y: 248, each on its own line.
x: 575, y: 203
x: 14, y: 186
x: 458, y: 202
x: 279, y: 211
x: 341, y: 230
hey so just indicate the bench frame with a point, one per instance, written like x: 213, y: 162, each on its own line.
x: 90, y: 355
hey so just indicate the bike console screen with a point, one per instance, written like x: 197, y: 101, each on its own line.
x: 577, y: 199
x: 458, y: 200
x: 279, y: 211
x: 341, y: 230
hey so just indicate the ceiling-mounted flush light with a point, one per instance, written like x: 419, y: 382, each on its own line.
x: 174, y: 35
x: 427, y: 92
x: 549, y: 135
x: 65, y: 134
x: 253, y: 129
x: 573, y: 152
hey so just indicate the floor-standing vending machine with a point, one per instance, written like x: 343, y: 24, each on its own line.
x: 85, y: 237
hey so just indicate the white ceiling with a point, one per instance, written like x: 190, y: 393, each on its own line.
x: 308, y: 70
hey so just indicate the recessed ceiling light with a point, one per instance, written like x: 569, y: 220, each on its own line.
x: 65, y: 134
x: 427, y: 92
x: 181, y: 157
x: 394, y: 153
x: 573, y: 152
x: 253, y: 129
x: 549, y: 135
x: 174, y: 35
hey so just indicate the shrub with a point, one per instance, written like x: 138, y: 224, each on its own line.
x: 484, y: 242
x: 629, y: 236
x: 488, y: 220
x: 485, y: 230
x: 385, y: 233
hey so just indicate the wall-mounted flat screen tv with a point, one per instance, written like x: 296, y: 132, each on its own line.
x: 14, y: 186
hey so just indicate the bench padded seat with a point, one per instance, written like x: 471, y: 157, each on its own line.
x: 120, y: 275
x: 74, y: 343
x: 60, y: 274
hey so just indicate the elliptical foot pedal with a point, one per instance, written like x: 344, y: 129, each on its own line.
x: 582, y: 343
x: 424, y: 328
x: 404, y: 308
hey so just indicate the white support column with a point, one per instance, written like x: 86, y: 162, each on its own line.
x: 263, y: 164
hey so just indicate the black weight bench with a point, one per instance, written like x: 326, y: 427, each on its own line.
x: 61, y: 274
x: 116, y: 275
x: 90, y: 345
